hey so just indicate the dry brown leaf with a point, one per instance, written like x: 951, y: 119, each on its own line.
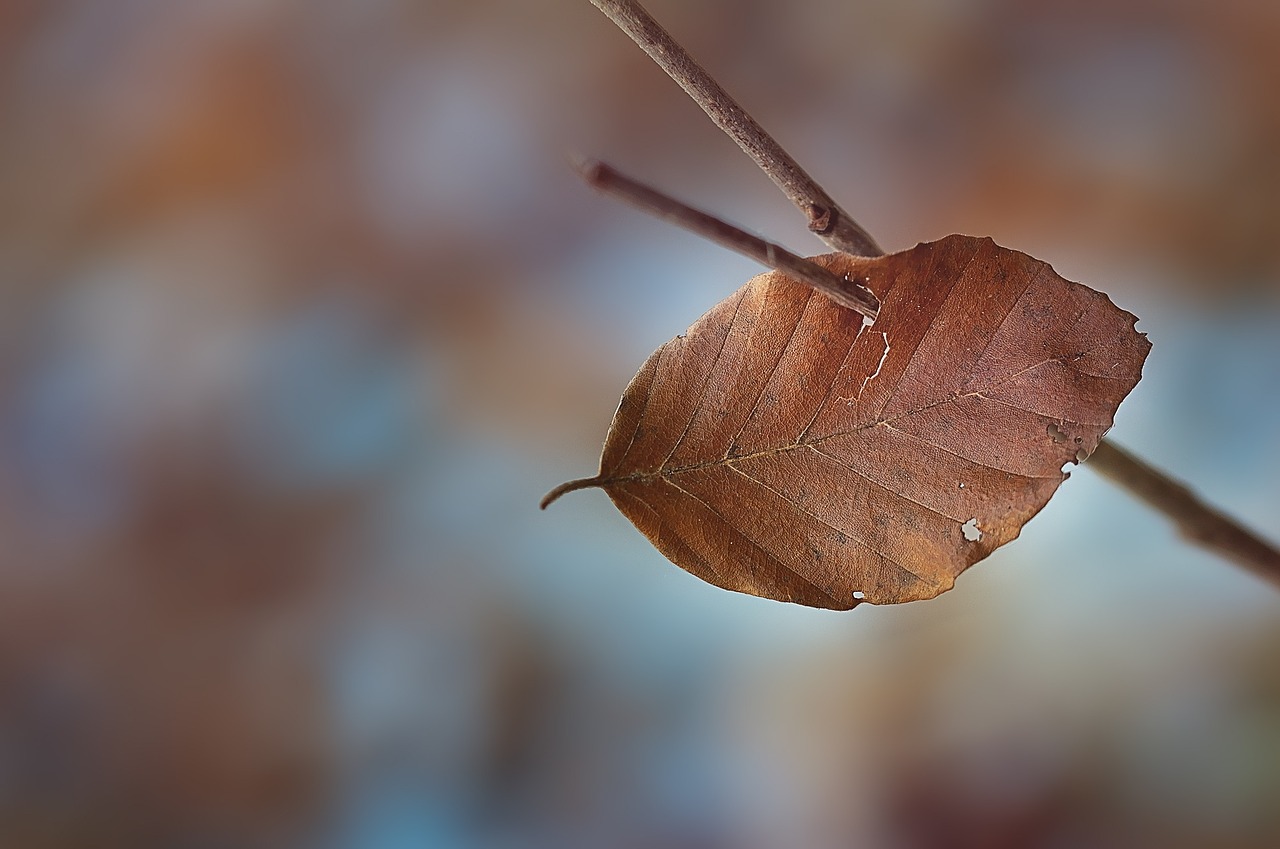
x: 782, y: 448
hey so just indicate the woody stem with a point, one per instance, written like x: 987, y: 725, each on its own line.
x: 844, y: 292
x: 826, y: 219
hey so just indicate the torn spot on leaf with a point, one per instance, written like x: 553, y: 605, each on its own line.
x: 884, y: 356
x: 1057, y: 434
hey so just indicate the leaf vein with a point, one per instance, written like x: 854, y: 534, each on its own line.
x: 702, y: 392
x: 868, y: 546
x: 924, y: 441
x: 775, y: 558
x: 933, y: 262
x: 782, y: 352
x: 881, y: 486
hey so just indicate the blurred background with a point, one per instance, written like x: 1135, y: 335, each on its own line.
x: 301, y: 312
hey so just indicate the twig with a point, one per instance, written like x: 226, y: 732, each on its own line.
x: 1198, y: 522
x: 842, y: 291
x: 831, y: 223
x: 1195, y: 520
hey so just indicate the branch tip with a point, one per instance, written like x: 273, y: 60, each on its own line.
x: 589, y: 168
x: 605, y: 178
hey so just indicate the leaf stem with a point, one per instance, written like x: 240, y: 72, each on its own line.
x: 1195, y: 520
x: 844, y: 292
x: 569, y: 486
x: 826, y: 219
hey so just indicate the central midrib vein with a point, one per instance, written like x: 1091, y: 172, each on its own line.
x: 667, y: 472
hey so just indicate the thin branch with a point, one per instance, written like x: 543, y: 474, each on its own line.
x: 831, y: 223
x: 1195, y: 520
x: 842, y: 291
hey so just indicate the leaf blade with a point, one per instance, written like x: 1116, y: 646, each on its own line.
x: 780, y: 448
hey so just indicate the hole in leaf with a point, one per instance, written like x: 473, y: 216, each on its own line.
x: 1057, y: 434
x: 962, y: 484
x: 971, y: 530
x: 859, y: 594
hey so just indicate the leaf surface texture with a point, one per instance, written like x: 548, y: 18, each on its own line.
x: 782, y: 448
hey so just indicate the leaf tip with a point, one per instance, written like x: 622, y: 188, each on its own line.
x: 569, y: 486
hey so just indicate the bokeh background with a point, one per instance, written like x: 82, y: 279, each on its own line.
x: 301, y: 311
